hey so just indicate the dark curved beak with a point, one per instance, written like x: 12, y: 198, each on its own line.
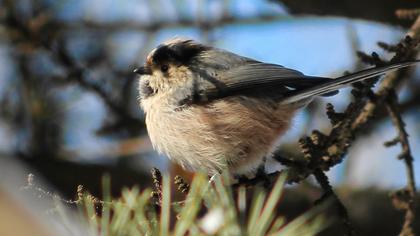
x: 143, y: 70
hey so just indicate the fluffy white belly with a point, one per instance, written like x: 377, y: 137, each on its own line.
x: 235, y: 133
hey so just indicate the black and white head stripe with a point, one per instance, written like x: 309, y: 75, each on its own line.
x: 178, y: 51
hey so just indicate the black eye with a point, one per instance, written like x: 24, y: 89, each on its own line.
x: 164, y: 68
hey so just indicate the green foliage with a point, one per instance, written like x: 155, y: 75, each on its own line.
x: 210, y: 208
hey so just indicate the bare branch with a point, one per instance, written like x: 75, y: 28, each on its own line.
x: 322, y: 179
x: 406, y: 156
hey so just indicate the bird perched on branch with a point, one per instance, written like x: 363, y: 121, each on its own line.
x: 212, y: 110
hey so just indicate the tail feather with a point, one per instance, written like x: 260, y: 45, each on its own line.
x: 338, y: 83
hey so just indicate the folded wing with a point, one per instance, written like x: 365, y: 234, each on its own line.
x: 254, y: 78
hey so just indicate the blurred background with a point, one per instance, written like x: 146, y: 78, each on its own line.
x: 68, y: 97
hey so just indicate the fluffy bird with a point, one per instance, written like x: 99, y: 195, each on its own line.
x: 211, y: 110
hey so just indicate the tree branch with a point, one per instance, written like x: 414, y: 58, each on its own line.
x: 323, y: 181
x: 408, y: 202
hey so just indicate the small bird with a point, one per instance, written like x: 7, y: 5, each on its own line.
x: 211, y: 110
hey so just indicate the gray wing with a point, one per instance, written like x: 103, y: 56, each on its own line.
x: 252, y: 78
x: 259, y: 75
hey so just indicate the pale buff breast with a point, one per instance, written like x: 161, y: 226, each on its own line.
x: 234, y: 133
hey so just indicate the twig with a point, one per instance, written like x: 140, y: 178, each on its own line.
x: 40, y: 193
x: 258, y: 179
x: 183, y: 186
x: 406, y: 156
x: 157, y: 183
x: 323, y: 181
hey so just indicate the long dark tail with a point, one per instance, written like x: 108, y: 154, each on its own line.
x: 340, y: 82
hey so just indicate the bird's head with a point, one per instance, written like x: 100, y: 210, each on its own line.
x: 168, y: 66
